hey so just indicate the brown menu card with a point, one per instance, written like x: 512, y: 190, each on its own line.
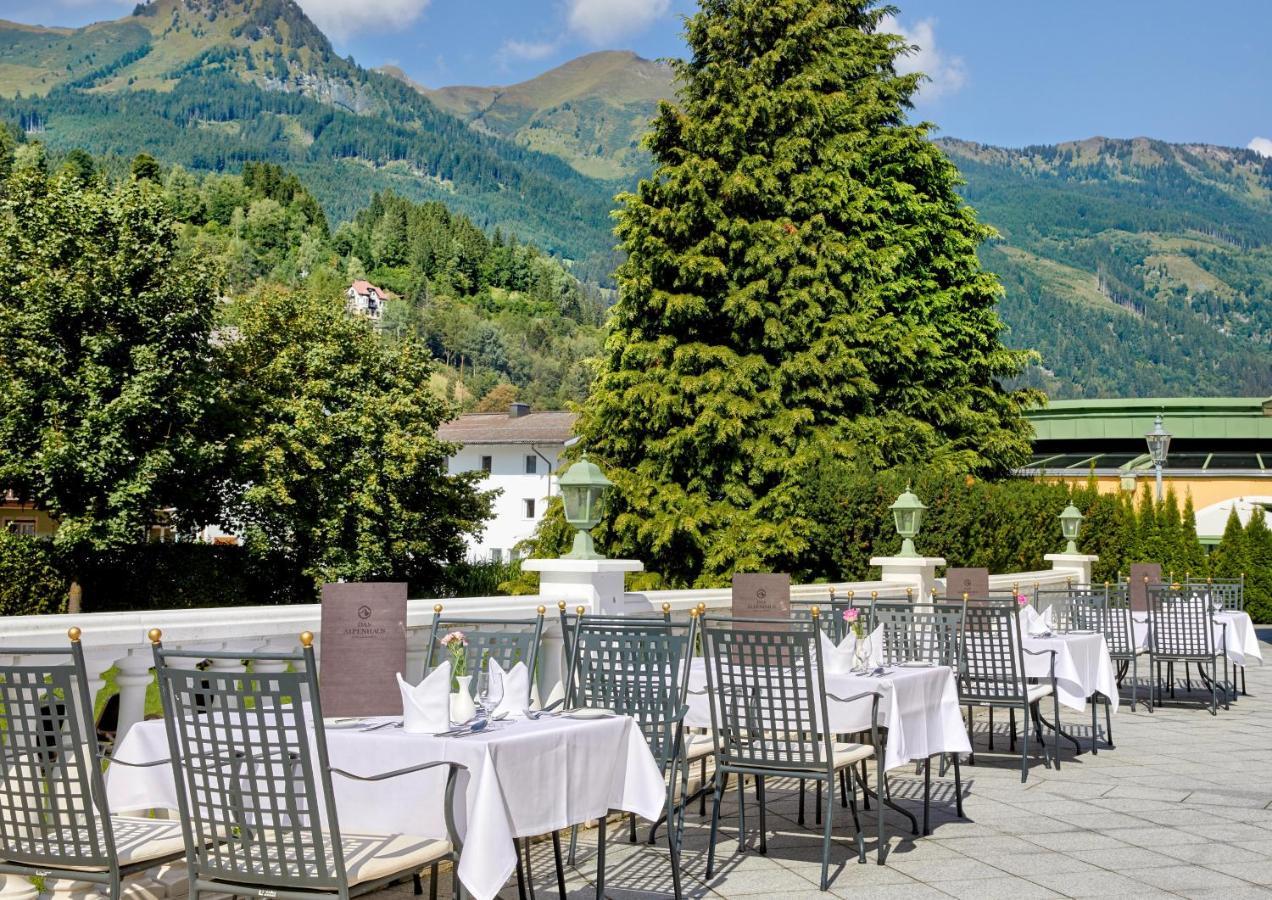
x: 972, y: 582
x: 1138, y: 587
x: 363, y: 648
x: 762, y: 596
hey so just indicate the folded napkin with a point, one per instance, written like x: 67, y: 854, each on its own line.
x: 1028, y: 619
x: 426, y: 706
x: 1042, y: 623
x: 509, y: 690
x: 838, y: 660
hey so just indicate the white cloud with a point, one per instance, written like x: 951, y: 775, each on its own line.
x: 946, y: 74
x: 603, y: 21
x: 531, y: 50
x: 1261, y: 146
x: 344, y: 18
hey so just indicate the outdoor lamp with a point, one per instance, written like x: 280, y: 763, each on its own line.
x: 907, y: 513
x: 1070, y: 523
x: 1158, y: 445
x: 582, y: 487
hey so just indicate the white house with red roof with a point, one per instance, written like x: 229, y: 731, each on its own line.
x: 365, y: 299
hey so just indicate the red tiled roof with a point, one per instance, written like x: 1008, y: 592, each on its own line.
x: 501, y: 428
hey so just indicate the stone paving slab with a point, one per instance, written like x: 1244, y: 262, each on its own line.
x: 1181, y: 808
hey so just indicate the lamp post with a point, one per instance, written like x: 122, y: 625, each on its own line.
x: 907, y: 514
x: 582, y: 488
x: 1070, y: 523
x: 1158, y: 445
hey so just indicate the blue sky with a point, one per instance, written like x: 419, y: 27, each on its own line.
x: 1009, y: 72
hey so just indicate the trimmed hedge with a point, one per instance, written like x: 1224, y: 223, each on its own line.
x: 30, y: 580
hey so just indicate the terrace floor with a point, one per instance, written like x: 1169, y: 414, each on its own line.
x: 1182, y: 807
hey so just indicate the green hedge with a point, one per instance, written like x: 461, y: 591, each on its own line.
x: 30, y: 581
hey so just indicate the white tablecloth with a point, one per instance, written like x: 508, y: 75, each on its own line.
x: 1233, y: 629
x: 919, y: 707
x: 1083, y: 666
x: 524, y: 779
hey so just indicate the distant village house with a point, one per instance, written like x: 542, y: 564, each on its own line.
x: 365, y: 299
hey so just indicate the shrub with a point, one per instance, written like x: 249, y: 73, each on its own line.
x: 30, y: 580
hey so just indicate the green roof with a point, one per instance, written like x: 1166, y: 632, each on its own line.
x: 1207, y: 418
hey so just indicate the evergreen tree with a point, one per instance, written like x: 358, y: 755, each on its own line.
x: 801, y: 283
x: 1148, y: 547
x: 1258, y: 574
x: 1170, y: 538
x: 1193, y: 555
x: 1228, y: 560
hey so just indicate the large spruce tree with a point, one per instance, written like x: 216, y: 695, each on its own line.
x: 801, y: 285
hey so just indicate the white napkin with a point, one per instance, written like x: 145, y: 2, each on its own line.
x: 1028, y: 618
x: 511, y: 687
x: 1043, y: 623
x: 838, y: 660
x: 426, y: 706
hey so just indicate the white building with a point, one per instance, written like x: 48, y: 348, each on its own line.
x: 365, y: 299
x: 519, y: 451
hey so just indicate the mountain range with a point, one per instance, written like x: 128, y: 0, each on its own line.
x: 1134, y: 267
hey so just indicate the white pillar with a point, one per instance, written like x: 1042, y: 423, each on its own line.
x: 917, y: 572
x: 595, y: 583
x: 1078, y: 563
x: 133, y: 679
x: 265, y: 667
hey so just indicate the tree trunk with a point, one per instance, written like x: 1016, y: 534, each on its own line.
x: 75, y: 601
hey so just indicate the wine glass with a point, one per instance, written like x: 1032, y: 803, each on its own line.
x: 483, y: 693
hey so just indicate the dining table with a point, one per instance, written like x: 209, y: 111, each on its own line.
x: 1083, y: 666
x: 521, y: 778
x: 918, y: 705
x: 1234, y: 634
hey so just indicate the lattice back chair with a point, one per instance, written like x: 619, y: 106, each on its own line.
x: 640, y: 668
x: 769, y: 714
x: 569, y: 620
x: 1182, y: 629
x: 254, y: 784
x: 925, y: 632
x: 831, y: 609
x: 507, y: 641
x: 1069, y: 606
x: 992, y: 672
x: 54, y: 821
x: 1229, y: 591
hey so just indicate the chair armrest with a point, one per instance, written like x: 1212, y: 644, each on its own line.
x: 1038, y: 652
x: 862, y: 696
x: 398, y: 772
x: 553, y: 705
x: 123, y: 762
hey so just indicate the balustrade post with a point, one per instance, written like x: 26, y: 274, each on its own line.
x: 917, y: 572
x: 416, y: 653
x: 1079, y: 564
x: 266, y: 667
x: 227, y: 667
x: 133, y: 678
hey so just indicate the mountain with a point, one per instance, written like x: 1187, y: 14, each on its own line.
x: 209, y: 84
x: 1136, y: 267
x: 592, y: 111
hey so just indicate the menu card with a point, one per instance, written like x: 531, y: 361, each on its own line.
x: 363, y: 648
x: 762, y: 596
x: 972, y: 582
x: 1138, y: 587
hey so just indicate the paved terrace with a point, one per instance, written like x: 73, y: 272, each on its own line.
x: 1182, y: 807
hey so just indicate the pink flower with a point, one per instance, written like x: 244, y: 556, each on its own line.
x: 1022, y: 599
x: 453, y: 640
x: 851, y: 613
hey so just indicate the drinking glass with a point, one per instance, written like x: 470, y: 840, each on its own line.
x: 483, y: 692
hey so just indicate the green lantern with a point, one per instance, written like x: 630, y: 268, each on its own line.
x: 907, y: 514
x: 583, y: 486
x: 1070, y: 523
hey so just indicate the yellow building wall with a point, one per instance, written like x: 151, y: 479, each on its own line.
x: 1205, y: 491
x: 44, y: 525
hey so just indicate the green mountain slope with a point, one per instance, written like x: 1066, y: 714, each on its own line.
x: 212, y: 83
x: 592, y: 111
x: 1135, y: 267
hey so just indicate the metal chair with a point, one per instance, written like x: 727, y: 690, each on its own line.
x: 54, y: 821
x: 639, y: 669
x: 254, y: 784
x: 1231, y: 593
x: 1181, y: 629
x: 768, y: 709
x: 507, y: 641
x: 992, y: 672
x: 831, y: 611
x: 930, y: 633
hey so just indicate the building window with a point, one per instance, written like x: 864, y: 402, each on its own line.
x: 529, y: 509
x: 496, y: 555
x: 532, y: 464
x: 162, y: 534
x: 487, y: 464
x: 20, y: 526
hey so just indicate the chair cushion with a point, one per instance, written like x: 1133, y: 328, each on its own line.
x: 700, y: 745
x: 851, y: 754
x: 372, y: 856
x: 137, y: 840
x: 1038, y: 691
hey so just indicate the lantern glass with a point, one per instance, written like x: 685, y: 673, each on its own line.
x: 1158, y: 441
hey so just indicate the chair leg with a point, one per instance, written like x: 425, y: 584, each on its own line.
x: 702, y: 787
x: 741, y: 813
x: 817, y: 797
x: 830, y: 814
x: 991, y: 729
x: 521, y: 873
x: 1011, y: 717
x: 574, y: 845
x: 1108, y: 723
x: 958, y: 788
x: 843, y: 786
x: 759, y: 799
x: 1055, y: 706
x: 883, y: 835
x: 1024, y: 754
x: 1095, y: 727
x: 800, y: 816
x: 556, y: 857
x: 856, y: 820
x: 631, y: 828
x: 600, y: 858
x: 864, y: 777
x: 715, y: 823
